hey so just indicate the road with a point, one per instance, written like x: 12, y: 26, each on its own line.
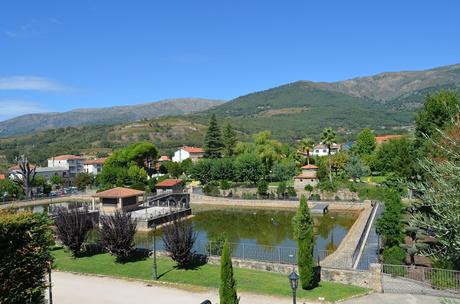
x: 76, y: 289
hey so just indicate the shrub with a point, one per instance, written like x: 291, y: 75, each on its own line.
x: 281, y: 190
x: 179, y: 238
x: 308, y: 188
x: 25, y: 240
x: 443, y: 279
x: 327, y: 185
x: 117, y: 233
x: 224, y: 184
x: 72, y: 227
x: 389, y: 225
x: 211, y: 189
x: 291, y: 192
x: 262, y: 187
x: 227, y: 290
x: 315, y: 197
x: 394, y: 255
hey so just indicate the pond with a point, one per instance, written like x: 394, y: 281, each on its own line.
x: 252, y: 231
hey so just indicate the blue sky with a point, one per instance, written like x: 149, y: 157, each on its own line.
x: 60, y: 55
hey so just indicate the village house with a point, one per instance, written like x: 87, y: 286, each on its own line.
x: 73, y: 163
x: 94, y: 166
x: 307, y: 177
x: 169, y: 185
x: 188, y: 152
x: 322, y: 150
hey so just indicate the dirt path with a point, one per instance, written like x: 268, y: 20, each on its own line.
x: 77, y: 289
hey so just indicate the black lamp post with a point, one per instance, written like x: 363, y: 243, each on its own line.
x: 294, y: 281
x: 154, y: 275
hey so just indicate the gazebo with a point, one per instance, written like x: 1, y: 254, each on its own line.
x: 119, y: 198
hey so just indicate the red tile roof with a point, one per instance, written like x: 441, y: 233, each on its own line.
x: 119, y: 192
x: 164, y: 158
x: 311, y: 175
x: 169, y: 183
x: 310, y: 167
x: 95, y: 161
x: 193, y: 149
x: 2, y: 176
x: 384, y: 138
x: 66, y: 157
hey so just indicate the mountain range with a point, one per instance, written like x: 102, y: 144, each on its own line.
x: 25, y: 124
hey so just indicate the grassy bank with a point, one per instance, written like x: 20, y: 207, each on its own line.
x: 261, y: 282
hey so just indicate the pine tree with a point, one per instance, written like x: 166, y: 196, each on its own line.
x: 213, y: 140
x: 229, y: 140
x: 303, y: 233
x: 227, y: 290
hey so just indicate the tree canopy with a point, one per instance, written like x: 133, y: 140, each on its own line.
x: 213, y: 140
x: 365, y: 143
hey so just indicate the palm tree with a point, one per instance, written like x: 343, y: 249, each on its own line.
x: 328, y: 138
x: 305, y: 146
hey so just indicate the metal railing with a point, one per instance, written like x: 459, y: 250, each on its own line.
x: 435, y: 278
x: 363, y: 236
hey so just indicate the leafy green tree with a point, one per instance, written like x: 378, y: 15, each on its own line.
x: 437, y: 113
x: 397, y: 156
x: 202, y: 171
x: 440, y: 194
x: 213, y: 140
x: 174, y: 169
x: 303, y: 233
x: 305, y: 147
x: 26, y: 239
x: 56, y: 180
x: 223, y: 169
x: 365, y: 143
x: 339, y: 161
x: 284, y: 170
x: 328, y: 138
x: 9, y: 189
x: 82, y: 180
x: 229, y: 140
x: 356, y: 169
x: 281, y: 190
x: 248, y: 168
x: 227, y: 290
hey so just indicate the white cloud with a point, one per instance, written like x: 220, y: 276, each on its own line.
x: 13, y: 108
x: 32, y: 83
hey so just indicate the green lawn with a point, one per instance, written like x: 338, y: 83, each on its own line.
x: 261, y: 282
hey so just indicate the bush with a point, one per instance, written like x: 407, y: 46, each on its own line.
x: 394, y: 255
x: 315, y: 197
x: 224, y: 184
x: 117, y: 233
x: 211, y: 189
x: 327, y: 185
x: 291, y: 192
x: 227, y: 290
x: 443, y: 279
x: 389, y: 225
x: 281, y: 190
x: 262, y: 187
x: 308, y: 188
x: 25, y: 240
x: 179, y: 238
x: 72, y: 227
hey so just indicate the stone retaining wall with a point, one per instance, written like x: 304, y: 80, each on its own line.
x: 369, y: 279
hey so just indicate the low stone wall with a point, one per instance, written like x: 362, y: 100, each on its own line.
x: 198, y: 199
x: 45, y: 201
x: 369, y: 279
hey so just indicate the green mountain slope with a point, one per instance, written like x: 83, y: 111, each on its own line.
x: 84, y: 117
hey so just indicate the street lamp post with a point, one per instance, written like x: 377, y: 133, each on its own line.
x: 154, y: 275
x: 294, y: 281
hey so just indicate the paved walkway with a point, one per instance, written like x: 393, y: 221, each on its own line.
x: 76, y: 289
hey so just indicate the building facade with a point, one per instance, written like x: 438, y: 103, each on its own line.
x: 188, y: 152
x: 75, y: 164
x: 307, y: 177
x: 94, y: 166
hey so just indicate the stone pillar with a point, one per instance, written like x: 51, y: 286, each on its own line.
x: 375, y: 282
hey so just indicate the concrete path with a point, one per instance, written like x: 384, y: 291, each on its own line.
x: 77, y: 289
x: 388, y: 298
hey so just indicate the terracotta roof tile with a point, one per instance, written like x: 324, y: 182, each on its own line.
x: 169, y: 183
x: 95, y: 161
x: 119, y: 192
x: 164, y: 158
x: 310, y: 167
x: 306, y: 176
x: 193, y: 149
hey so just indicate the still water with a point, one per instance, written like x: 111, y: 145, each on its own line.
x: 255, y: 228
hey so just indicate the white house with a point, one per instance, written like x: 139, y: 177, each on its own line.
x: 73, y: 163
x: 322, y: 150
x: 188, y: 152
x: 94, y: 166
x: 307, y: 177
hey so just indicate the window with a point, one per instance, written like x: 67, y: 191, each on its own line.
x: 324, y: 150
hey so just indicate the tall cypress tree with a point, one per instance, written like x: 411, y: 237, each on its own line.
x: 303, y: 233
x: 227, y: 290
x: 229, y: 140
x: 213, y: 140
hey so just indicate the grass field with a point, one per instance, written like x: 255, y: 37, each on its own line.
x: 261, y: 282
